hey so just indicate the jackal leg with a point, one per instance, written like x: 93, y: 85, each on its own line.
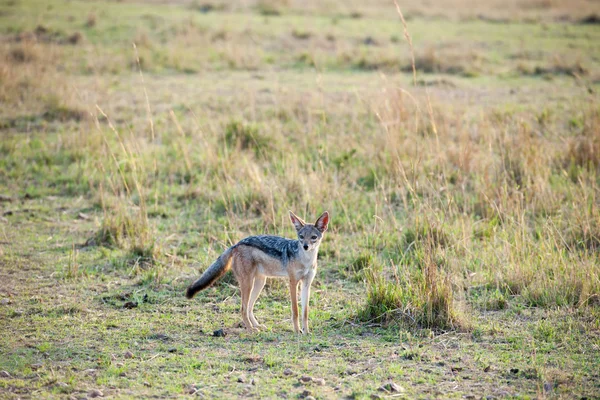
x: 259, y: 283
x: 294, y: 298
x: 246, y: 284
x: 304, y: 299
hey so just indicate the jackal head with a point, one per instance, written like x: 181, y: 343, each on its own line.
x: 310, y: 235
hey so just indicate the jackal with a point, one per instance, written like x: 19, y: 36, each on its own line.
x: 255, y: 258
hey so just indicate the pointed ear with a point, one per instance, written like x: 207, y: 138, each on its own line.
x: 322, y: 222
x: 298, y: 223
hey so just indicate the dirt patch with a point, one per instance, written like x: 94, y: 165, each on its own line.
x: 43, y: 34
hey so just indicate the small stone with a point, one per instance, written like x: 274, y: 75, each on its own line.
x: 128, y: 354
x: 4, y: 302
x: 254, y: 382
x: 95, y: 393
x: 369, y: 41
x: 487, y: 369
x: 130, y: 304
x: 307, y: 394
x: 83, y: 216
x: 123, y: 374
x: 120, y: 364
x: 548, y: 386
x: 192, y: 389
x: 319, y: 381
x: 391, y: 387
x: 219, y: 333
x: 309, y: 398
x: 90, y: 371
x: 241, y: 379
x: 62, y: 384
x: 147, y: 384
x: 287, y: 372
x: 36, y: 366
x: 305, y: 379
x: 396, y: 388
x: 4, y: 374
x: 172, y: 350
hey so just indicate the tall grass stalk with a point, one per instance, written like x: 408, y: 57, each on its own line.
x: 125, y: 223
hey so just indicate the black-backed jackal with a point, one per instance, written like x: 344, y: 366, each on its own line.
x: 256, y: 258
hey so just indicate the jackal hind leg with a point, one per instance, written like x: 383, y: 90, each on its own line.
x: 246, y: 284
x: 259, y: 284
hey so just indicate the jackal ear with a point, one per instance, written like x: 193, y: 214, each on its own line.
x: 322, y: 222
x: 298, y: 223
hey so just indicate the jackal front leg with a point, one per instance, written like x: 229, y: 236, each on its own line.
x: 305, y: 298
x: 294, y: 298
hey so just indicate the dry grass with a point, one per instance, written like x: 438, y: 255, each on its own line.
x: 506, y: 199
x: 452, y: 62
x: 31, y: 86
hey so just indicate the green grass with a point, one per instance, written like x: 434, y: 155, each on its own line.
x: 461, y: 258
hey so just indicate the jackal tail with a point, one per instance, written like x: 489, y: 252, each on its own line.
x: 212, y: 274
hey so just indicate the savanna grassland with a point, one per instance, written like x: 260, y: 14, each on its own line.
x: 139, y: 139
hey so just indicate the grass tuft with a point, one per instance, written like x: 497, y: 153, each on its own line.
x: 271, y: 7
x: 436, y: 299
x: 129, y: 232
x: 583, y: 148
x: 364, y: 261
x: 432, y: 61
x: 241, y: 136
x: 422, y: 299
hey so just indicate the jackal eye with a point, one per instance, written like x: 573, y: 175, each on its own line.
x: 301, y: 236
x: 314, y: 237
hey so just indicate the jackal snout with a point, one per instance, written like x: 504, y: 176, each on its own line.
x: 309, y: 240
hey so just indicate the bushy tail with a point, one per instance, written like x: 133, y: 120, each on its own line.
x: 212, y: 274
